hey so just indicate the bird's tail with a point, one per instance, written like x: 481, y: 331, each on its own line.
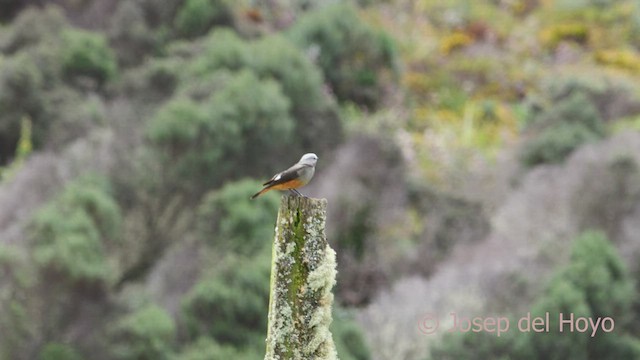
x: 260, y: 193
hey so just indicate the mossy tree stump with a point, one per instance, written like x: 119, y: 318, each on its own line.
x: 303, y: 272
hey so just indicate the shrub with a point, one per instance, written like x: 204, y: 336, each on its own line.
x: 195, y: 17
x: 576, y: 108
x: 21, y: 94
x: 449, y: 221
x: 178, y: 123
x: 71, y: 246
x: 72, y: 116
x: 353, y: 237
x: 594, y: 284
x: 599, y: 273
x: 33, y: 26
x: 348, y: 337
x: 130, y: 34
x: 614, y: 96
x: 71, y: 232
x: 159, y: 12
x: 257, y: 111
x: 573, y: 110
x: 31, y: 86
x: 275, y: 58
x: 231, y: 306
x: 576, y: 32
x: 556, y: 143
x: 566, y: 125
x: 228, y: 219
x: 468, y: 346
x: 146, y: 333
x: 224, y: 134
x: 207, y: 349
x: 623, y: 59
x: 20, y: 80
x: 163, y: 76
x: 222, y: 49
x: 93, y: 196
x: 606, y: 196
x: 357, y: 61
x: 57, y: 351
x: 16, y: 271
x: 231, y: 89
x: 87, y: 54
x: 208, y: 65
x: 455, y: 41
x: 317, y: 124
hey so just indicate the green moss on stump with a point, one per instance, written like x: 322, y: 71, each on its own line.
x: 303, y: 272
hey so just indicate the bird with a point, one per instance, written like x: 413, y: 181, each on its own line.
x: 293, y: 178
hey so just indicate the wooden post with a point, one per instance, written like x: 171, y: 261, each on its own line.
x: 303, y: 272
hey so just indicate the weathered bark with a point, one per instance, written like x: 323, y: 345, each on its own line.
x: 303, y: 272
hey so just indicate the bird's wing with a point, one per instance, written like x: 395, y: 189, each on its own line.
x: 287, y: 175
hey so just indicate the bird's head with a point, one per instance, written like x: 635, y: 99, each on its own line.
x: 309, y: 159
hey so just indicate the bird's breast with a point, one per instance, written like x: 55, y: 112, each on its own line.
x: 305, y: 174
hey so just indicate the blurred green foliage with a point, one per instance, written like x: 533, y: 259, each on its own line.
x: 206, y: 140
x: 605, y: 198
x: 357, y: 60
x: 566, y: 125
x: 32, y: 27
x: 86, y: 54
x: 595, y: 283
x: 353, y: 238
x: 20, y: 95
x: 554, y: 144
x: 275, y: 57
x: 207, y: 349
x: 480, y: 345
x: 348, y: 337
x: 147, y: 333
x: 57, y: 351
x: 238, y: 107
x: 230, y: 221
x: 39, y: 78
x: 195, y: 17
x: 223, y: 49
x: 237, y: 297
x: 70, y: 234
x: 17, y: 272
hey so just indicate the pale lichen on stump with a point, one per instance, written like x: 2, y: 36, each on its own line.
x: 303, y: 272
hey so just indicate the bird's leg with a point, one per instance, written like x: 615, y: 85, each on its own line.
x: 298, y: 193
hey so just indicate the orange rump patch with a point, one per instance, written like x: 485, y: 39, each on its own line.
x: 292, y: 184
